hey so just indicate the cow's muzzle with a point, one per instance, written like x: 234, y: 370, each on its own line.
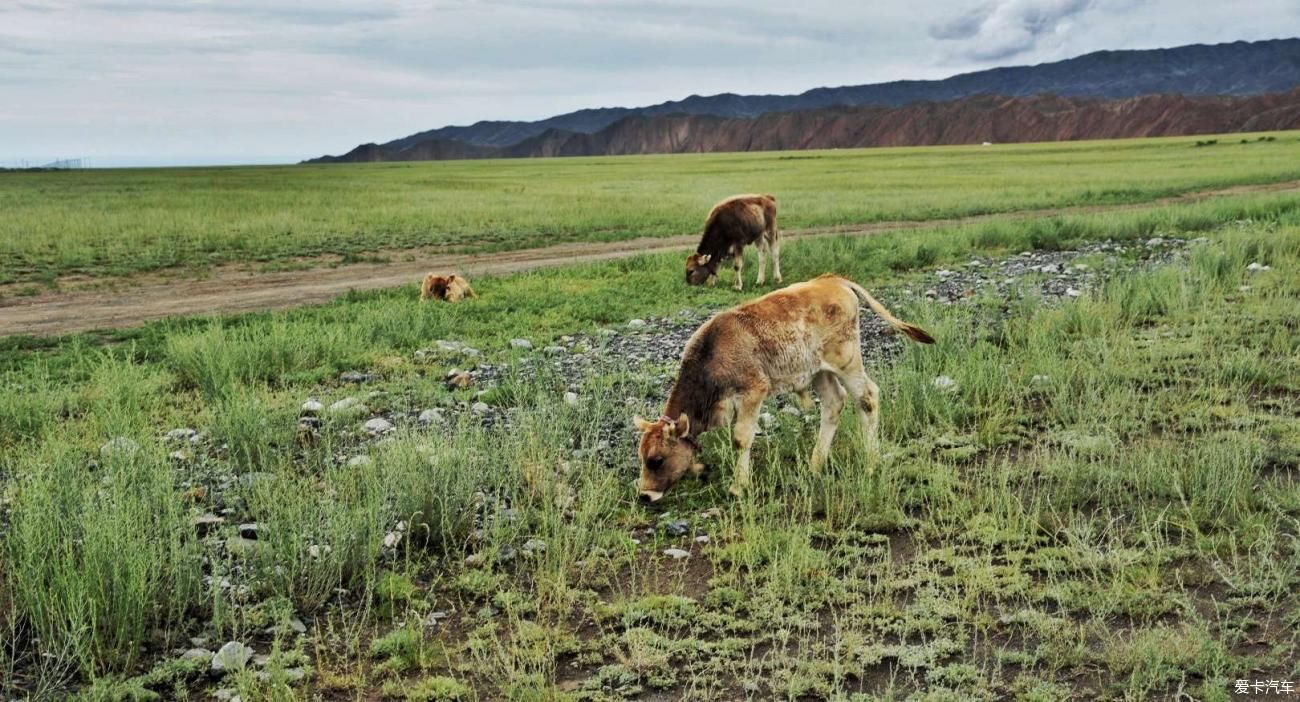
x: 649, y: 496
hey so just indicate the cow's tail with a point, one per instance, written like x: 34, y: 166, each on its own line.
x: 911, y: 330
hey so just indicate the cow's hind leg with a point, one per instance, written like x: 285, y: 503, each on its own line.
x: 762, y: 262
x: 832, y: 393
x: 742, y: 435
x: 774, y: 248
x: 866, y: 395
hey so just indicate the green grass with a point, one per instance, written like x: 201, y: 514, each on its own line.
x: 1125, y: 528
x: 116, y: 223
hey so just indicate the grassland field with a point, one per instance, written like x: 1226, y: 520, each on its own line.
x: 1104, y: 504
x: 57, y: 225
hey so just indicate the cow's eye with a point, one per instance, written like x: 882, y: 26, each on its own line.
x: 654, y: 462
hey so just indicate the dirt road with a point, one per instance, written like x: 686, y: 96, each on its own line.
x: 228, y: 291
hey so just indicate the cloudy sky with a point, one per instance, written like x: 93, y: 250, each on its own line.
x: 131, y: 82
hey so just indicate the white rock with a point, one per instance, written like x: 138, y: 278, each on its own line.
x: 378, y: 425
x: 1040, y: 378
x: 521, y: 344
x: 791, y: 410
x: 637, y: 323
x: 480, y: 408
x: 943, y: 382
x: 346, y: 404
x: 181, y: 434
x: 1155, y: 241
x: 571, y: 399
x: 1256, y: 267
x: 232, y: 656
x: 359, y: 461
x: 767, y: 420
x: 119, y: 446
x: 702, y: 539
x: 1072, y: 292
x: 1243, y: 288
x: 392, y: 539
x: 534, y: 546
x: 944, y: 273
x: 312, y: 406
x: 676, y: 553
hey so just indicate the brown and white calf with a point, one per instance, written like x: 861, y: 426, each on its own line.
x: 452, y: 288
x: 732, y: 225
x: 790, y: 340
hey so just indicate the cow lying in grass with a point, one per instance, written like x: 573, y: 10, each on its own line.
x: 732, y: 225
x: 452, y: 288
x: 800, y: 337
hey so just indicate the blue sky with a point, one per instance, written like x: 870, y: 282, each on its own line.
x: 136, y: 82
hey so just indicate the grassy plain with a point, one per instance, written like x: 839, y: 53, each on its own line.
x: 1125, y: 526
x: 116, y: 223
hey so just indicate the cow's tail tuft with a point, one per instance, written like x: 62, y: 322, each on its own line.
x: 911, y: 330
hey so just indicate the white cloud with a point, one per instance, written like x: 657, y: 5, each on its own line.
x: 249, y: 79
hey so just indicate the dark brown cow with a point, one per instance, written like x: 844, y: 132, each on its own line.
x: 801, y: 337
x: 732, y: 225
x: 452, y: 288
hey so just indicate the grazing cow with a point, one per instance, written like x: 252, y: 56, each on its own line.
x: 452, y: 288
x: 790, y: 340
x: 732, y: 225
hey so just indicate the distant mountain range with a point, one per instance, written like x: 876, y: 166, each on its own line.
x: 1078, y: 98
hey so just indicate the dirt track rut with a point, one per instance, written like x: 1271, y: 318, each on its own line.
x: 232, y: 291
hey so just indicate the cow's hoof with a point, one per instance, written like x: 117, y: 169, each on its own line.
x: 737, y: 489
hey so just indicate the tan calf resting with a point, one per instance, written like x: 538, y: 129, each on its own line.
x: 452, y: 288
x: 800, y: 337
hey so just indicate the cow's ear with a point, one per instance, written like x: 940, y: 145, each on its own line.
x: 641, y: 424
x: 683, y: 425
x: 704, y: 260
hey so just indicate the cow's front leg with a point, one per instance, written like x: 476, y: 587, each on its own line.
x: 740, y: 264
x: 832, y: 394
x: 742, y: 436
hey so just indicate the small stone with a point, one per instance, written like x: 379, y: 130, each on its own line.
x: 233, y: 656
x: 180, y: 456
x: 571, y: 399
x: 1155, y: 241
x: 345, y: 405
x: 312, y: 406
x: 249, y: 530
x: 1073, y: 292
x: 932, y: 293
x: 181, y: 434
x: 480, y: 408
x: 205, y: 522
x: 1040, y: 378
x: 392, y: 539
x: 636, y: 323
x: 791, y: 410
x: 378, y: 425
x: 474, y: 559
x: 430, y: 416
x: 944, y: 273
x: 521, y: 344
x: 676, y: 553
x: 360, y: 461
x: 702, y: 539
x: 1256, y: 267
x: 608, y: 332
x: 297, y: 626
x: 534, y: 546
x: 356, y: 377
x: 1243, y: 288
x: 119, y: 446
x: 554, y: 350
x: 196, y: 654
x: 677, y: 527
x: 506, y: 553
x: 294, y: 674
x: 944, y: 382
x: 226, y: 694
x: 767, y: 420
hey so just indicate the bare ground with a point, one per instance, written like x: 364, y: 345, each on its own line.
x: 234, y: 289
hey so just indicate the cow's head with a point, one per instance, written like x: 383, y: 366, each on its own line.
x: 434, y: 287
x: 700, y: 269
x: 667, y: 453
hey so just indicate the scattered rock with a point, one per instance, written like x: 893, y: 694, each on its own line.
x: 534, y: 546
x: 359, y: 461
x: 676, y: 553
x: 230, y: 657
x: 297, y: 626
x: 250, y: 530
x: 431, y: 621
x: 791, y: 410
x: 181, y: 434
x: 378, y: 425
x: 312, y: 406
x: 119, y: 446
x: 521, y: 344
x: 571, y: 399
x: 943, y: 382
x: 677, y: 527
x: 480, y: 408
x: 555, y: 350
x: 766, y: 420
x: 392, y: 539
x: 347, y: 404
x: 196, y: 654
x: 1073, y: 292
x: 356, y: 377
x: 1040, y: 379
x: 205, y: 522
x: 1257, y: 267
x: 636, y: 323
x: 430, y: 416
x: 702, y: 539
x: 1155, y: 241
x: 226, y: 694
